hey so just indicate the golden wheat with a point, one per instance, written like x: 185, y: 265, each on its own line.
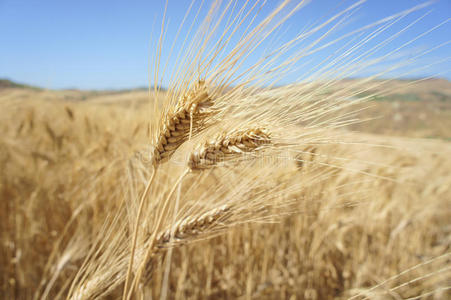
x: 184, y: 231
x: 187, y: 116
x: 227, y: 146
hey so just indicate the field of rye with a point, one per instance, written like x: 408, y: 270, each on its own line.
x: 227, y: 184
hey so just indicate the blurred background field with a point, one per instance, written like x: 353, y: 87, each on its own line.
x: 374, y: 224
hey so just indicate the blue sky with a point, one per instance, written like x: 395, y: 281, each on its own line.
x: 107, y: 44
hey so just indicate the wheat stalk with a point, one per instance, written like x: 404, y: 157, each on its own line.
x: 176, y: 127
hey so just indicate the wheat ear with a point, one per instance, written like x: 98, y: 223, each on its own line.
x: 185, y: 230
x: 178, y: 124
x: 227, y: 146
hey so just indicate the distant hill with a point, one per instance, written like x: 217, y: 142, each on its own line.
x: 384, y: 90
x: 6, y: 83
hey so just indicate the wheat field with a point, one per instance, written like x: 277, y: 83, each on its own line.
x: 227, y: 185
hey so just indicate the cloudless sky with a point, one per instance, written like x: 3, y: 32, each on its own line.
x: 103, y: 44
